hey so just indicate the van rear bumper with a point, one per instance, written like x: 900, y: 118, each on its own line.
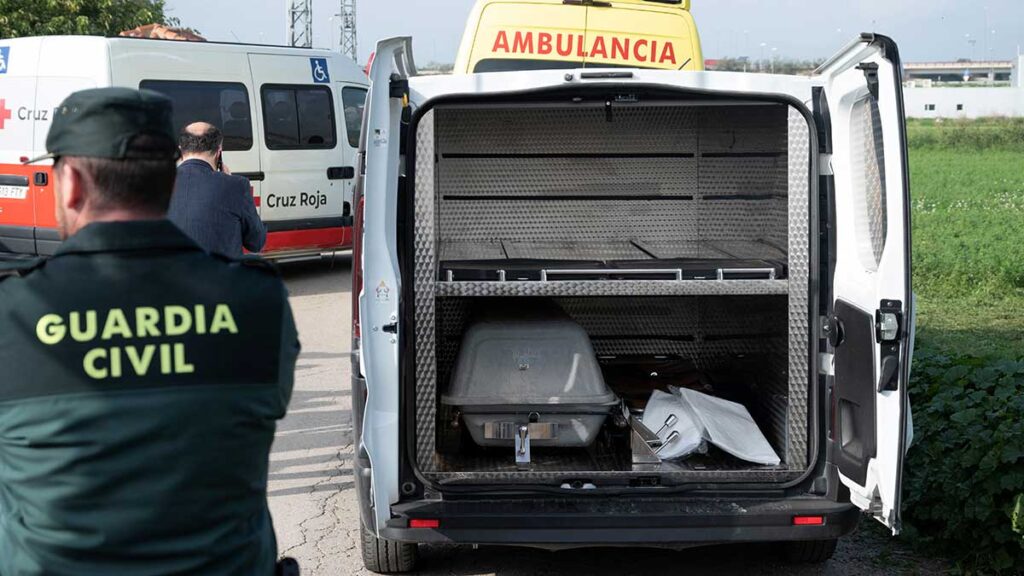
x: 556, y: 523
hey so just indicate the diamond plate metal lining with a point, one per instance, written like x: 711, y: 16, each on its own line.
x: 617, y: 288
x: 757, y: 177
x: 491, y: 159
x: 497, y: 475
x: 425, y: 264
x: 577, y: 176
x: 568, y: 220
x: 600, y: 463
x: 578, y: 129
x: 799, y: 278
x: 712, y: 331
x: 869, y: 184
x: 784, y: 226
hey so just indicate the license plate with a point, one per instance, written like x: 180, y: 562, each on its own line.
x: 13, y: 192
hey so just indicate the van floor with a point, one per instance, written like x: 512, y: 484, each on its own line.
x: 602, y: 457
x: 609, y: 457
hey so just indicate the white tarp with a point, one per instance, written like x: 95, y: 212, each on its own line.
x: 699, y: 418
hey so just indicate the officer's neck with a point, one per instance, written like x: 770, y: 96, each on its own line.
x: 112, y: 215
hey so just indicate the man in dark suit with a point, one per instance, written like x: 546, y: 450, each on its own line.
x: 209, y: 204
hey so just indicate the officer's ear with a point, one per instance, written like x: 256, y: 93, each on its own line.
x: 70, y: 185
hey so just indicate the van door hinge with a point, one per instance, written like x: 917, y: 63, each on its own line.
x: 825, y: 165
x: 870, y: 70
x: 399, y: 88
x: 832, y: 330
x: 826, y: 364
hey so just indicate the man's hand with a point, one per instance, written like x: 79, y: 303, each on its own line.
x: 224, y: 168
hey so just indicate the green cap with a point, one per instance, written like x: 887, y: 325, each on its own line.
x: 104, y: 122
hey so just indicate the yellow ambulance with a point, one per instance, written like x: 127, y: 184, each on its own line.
x: 503, y: 35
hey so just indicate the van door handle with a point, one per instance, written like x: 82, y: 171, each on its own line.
x: 889, y: 382
x: 341, y: 173
x: 252, y: 176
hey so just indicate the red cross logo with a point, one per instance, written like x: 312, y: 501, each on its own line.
x: 5, y: 114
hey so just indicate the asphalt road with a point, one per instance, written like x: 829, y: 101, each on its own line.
x: 313, y: 502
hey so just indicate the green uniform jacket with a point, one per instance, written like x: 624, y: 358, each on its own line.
x: 140, y: 385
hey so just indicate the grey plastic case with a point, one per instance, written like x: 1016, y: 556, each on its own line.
x: 530, y: 371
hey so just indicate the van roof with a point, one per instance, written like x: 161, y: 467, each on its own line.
x: 682, y: 4
x: 180, y: 43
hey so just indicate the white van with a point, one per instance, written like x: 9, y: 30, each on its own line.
x: 738, y: 239
x: 290, y: 116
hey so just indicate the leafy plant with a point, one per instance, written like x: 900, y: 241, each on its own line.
x: 87, y: 17
x: 965, y: 471
x: 1018, y: 516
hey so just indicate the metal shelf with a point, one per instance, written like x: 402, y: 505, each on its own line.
x: 563, y: 288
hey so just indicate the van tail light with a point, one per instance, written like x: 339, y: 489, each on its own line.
x: 808, y: 520
x: 357, y: 265
x: 424, y: 523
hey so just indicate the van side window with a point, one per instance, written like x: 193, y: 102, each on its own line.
x: 223, y: 104
x: 872, y: 214
x: 298, y: 117
x: 354, y: 101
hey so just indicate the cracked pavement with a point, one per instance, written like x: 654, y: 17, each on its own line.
x: 313, y: 502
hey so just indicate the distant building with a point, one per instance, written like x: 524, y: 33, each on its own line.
x: 960, y: 71
x: 964, y: 89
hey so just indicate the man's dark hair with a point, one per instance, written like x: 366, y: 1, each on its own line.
x: 140, y: 182
x: 205, y: 142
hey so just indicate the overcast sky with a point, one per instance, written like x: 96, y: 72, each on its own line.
x: 925, y: 29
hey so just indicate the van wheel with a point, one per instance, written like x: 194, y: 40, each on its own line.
x: 385, y: 556
x: 812, y: 552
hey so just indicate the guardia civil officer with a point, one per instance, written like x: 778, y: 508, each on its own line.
x: 141, y: 379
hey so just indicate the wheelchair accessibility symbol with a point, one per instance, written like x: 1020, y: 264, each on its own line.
x: 320, y: 73
x: 5, y: 54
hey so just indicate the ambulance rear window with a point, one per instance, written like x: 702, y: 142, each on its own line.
x: 354, y: 100
x: 298, y: 117
x: 223, y: 104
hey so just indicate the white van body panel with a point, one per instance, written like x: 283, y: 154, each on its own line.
x: 41, y: 72
x: 133, y: 63
x: 293, y: 188
x: 870, y: 270
x: 379, y: 300
x: 423, y: 89
x: 379, y: 356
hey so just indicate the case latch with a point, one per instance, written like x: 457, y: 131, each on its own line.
x: 523, y: 447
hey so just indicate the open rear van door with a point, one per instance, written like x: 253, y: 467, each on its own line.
x: 871, y: 323
x: 378, y: 303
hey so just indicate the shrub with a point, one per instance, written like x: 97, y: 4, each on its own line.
x: 965, y: 470
x: 969, y: 136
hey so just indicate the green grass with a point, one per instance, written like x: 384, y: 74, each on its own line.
x: 968, y: 225
x: 967, y: 136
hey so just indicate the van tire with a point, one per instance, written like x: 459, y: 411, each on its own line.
x: 385, y: 556
x: 810, y: 552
